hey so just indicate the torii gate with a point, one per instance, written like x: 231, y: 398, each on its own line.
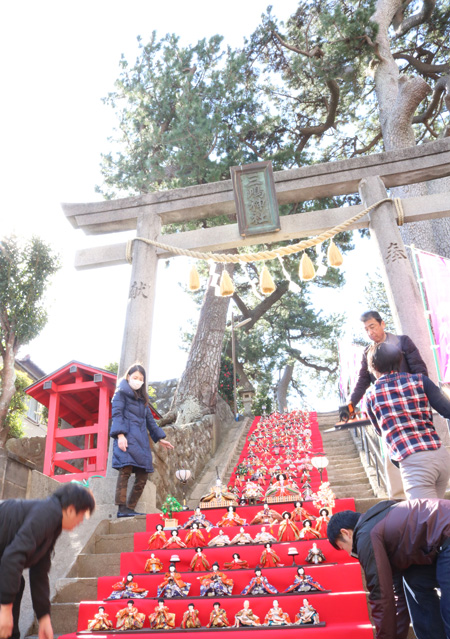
x: 371, y: 175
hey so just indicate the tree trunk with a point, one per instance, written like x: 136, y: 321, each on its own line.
x: 398, y: 98
x: 7, y: 377
x: 196, y: 393
x: 283, y: 387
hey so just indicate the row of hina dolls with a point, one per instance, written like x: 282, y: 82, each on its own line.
x: 130, y: 618
x: 213, y: 584
x: 200, y: 563
x: 312, y: 528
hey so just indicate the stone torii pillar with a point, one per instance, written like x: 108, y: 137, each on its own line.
x: 399, y: 278
x: 141, y: 296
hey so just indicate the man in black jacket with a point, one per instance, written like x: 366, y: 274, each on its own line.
x: 28, y: 532
x: 409, y: 540
x: 411, y: 362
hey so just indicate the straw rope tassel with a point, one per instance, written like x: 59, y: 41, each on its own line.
x: 226, y: 284
x: 266, y: 283
x: 306, y: 269
x: 194, y: 279
x: 334, y: 255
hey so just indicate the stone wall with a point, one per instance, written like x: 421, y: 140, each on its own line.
x: 195, y: 444
x: 15, y: 475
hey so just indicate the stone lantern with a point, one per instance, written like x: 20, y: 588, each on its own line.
x: 246, y: 394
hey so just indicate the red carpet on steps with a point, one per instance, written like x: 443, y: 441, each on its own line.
x: 342, y: 608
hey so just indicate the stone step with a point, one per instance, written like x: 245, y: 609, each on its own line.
x: 65, y: 617
x: 122, y: 542
x: 106, y: 565
x: 76, y: 589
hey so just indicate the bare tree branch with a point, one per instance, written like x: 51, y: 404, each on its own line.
x: 368, y: 147
x: 263, y: 306
x: 402, y: 25
x: 422, y: 67
x: 441, y: 87
x: 306, y: 362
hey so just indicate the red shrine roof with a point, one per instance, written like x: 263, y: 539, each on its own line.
x: 78, y: 385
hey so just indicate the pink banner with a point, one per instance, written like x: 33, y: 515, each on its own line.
x: 436, y: 281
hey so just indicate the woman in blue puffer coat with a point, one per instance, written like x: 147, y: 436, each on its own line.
x: 132, y: 421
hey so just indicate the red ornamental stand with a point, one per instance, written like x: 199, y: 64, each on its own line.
x: 81, y: 396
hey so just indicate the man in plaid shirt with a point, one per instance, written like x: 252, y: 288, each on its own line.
x: 399, y: 407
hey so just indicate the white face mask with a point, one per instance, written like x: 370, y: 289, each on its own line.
x: 135, y: 384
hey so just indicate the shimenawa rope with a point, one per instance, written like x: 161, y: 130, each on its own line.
x: 267, y: 255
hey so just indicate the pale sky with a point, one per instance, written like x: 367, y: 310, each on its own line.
x: 59, y: 59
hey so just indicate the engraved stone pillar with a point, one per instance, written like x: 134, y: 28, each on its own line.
x: 141, y: 296
x: 141, y: 301
x: 401, y: 286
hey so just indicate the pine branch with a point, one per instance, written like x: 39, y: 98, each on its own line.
x: 315, y: 52
x: 331, y: 108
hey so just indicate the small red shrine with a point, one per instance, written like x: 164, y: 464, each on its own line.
x: 81, y: 396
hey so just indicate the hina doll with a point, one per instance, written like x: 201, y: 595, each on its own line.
x: 218, y: 492
x: 195, y: 537
x: 307, y: 491
x: 173, y: 585
x: 269, y: 558
x: 304, y: 583
x: 174, y: 541
x: 259, y: 585
x: 307, y: 532
x: 130, y: 618
x: 220, y: 540
x: 215, y: 583
x: 242, y: 538
x: 100, y: 621
x: 299, y: 513
x: 252, y: 492
x: 198, y: 518
x: 245, y: 616
x: 162, y: 619
x: 199, y: 562
x: 267, y: 516
x: 127, y: 589
x: 190, y: 618
x: 231, y: 518
x: 315, y: 555
x: 322, y: 522
x: 158, y: 539
x: 276, y: 617
x: 282, y: 488
x: 263, y: 537
x: 237, y: 563
x: 288, y: 531
x: 307, y: 614
x: 153, y: 564
x: 218, y: 617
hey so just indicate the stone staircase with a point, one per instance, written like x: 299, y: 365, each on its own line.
x: 101, y: 554
x: 346, y: 473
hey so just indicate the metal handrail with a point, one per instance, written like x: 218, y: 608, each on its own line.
x: 371, y: 448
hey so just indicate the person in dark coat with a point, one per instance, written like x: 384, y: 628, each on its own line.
x: 132, y: 421
x: 411, y: 362
x: 28, y: 532
x: 397, y: 541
